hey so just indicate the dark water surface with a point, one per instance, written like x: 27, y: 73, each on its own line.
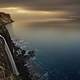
x: 58, y: 47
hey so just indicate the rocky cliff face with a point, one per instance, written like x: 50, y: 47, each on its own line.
x: 18, y: 59
x: 5, y: 68
x: 13, y: 59
x: 5, y: 19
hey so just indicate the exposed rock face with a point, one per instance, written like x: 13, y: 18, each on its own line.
x: 4, y: 63
x: 5, y: 68
x: 5, y: 18
x: 19, y: 60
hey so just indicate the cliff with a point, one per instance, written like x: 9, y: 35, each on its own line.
x: 5, y: 64
x: 5, y: 19
x: 14, y: 62
x: 9, y: 60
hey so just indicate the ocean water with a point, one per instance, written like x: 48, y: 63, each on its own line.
x: 58, y: 46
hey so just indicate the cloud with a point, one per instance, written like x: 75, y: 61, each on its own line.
x: 43, y: 4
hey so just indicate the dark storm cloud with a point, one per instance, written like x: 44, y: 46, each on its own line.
x: 43, y: 4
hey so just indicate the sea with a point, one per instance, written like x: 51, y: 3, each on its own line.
x: 57, y: 44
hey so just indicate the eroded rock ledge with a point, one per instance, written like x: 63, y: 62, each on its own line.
x: 5, y: 18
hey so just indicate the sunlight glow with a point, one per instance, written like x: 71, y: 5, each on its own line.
x: 19, y: 10
x: 49, y: 20
x: 34, y: 12
x: 36, y: 15
x: 11, y: 8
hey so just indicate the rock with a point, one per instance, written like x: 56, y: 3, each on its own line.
x: 5, y: 19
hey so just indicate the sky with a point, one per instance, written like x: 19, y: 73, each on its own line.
x: 43, y: 4
x: 40, y: 9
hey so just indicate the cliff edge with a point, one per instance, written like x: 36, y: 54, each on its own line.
x: 14, y: 61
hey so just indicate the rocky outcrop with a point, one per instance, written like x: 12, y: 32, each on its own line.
x: 5, y: 19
